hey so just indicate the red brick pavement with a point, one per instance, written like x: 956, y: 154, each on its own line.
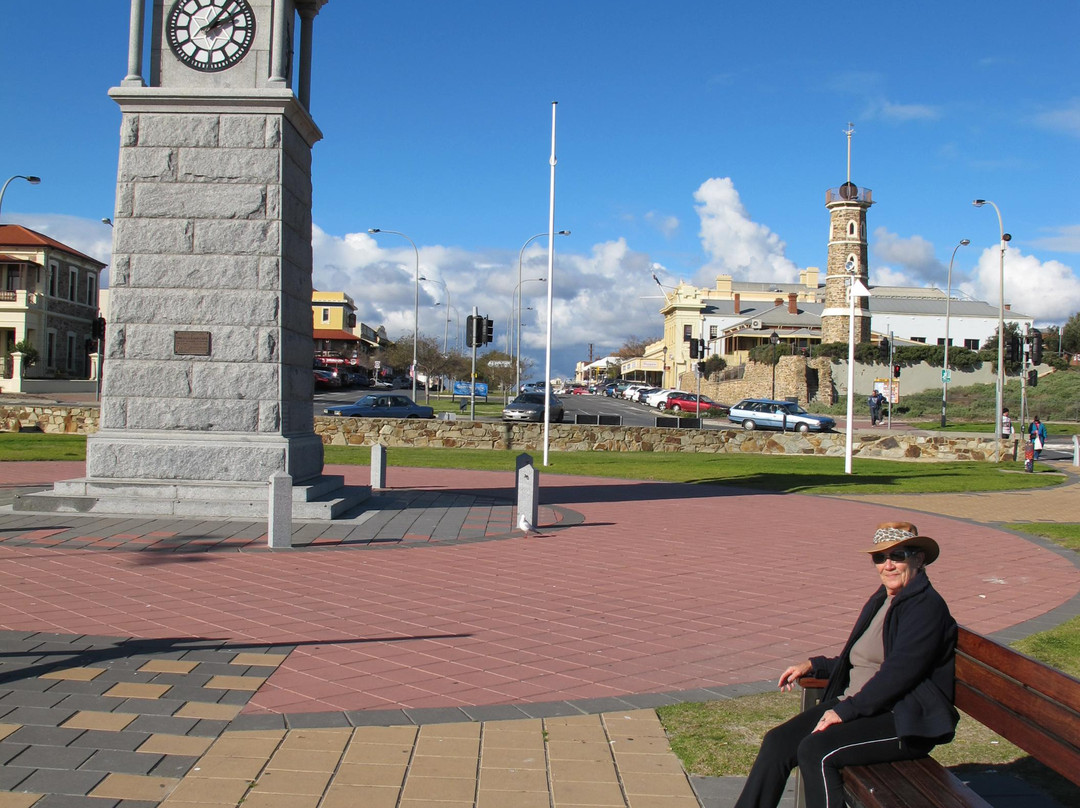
x: 663, y: 587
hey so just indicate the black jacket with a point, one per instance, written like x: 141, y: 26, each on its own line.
x: 917, y: 679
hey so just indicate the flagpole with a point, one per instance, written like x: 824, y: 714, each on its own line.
x: 550, y: 287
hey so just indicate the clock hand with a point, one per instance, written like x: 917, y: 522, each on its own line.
x: 211, y: 24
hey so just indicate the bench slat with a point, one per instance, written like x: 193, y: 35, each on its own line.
x: 1048, y: 749
x: 1023, y: 705
x: 939, y: 785
x: 907, y: 784
x: 1057, y: 685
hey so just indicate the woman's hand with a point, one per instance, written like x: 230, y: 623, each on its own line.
x: 789, y: 677
x: 827, y: 720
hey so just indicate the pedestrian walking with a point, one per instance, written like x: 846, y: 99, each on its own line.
x: 1037, y: 433
x: 876, y: 402
x: 1006, y: 424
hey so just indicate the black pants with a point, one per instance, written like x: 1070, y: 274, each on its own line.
x: 821, y: 755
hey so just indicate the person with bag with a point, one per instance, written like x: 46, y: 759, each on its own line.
x: 1037, y: 432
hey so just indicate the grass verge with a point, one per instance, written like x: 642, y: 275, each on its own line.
x: 39, y: 446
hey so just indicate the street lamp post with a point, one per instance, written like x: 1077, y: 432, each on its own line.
x: 774, y: 339
x: 447, y: 324
x: 1005, y: 237
x: 416, y: 301
x: 515, y: 303
x: 521, y: 254
x: 948, y: 297
x: 30, y: 179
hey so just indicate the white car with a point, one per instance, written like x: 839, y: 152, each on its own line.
x: 659, y: 398
x: 630, y: 393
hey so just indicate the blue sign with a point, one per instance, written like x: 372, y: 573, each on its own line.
x: 463, y: 389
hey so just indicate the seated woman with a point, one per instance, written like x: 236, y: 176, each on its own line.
x: 890, y: 692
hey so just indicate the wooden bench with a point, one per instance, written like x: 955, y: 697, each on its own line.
x: 1024, y: 701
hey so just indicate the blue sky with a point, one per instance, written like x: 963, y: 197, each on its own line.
x: 693, y: 138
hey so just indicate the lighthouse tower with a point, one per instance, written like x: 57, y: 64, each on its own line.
x: 847, y: 261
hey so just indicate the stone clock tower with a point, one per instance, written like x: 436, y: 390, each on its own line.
x: 847, y: 260
x: 207, y: 379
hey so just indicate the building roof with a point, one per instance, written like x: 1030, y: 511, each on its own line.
x: 334, y: 333
x: 15, y: 259
x: 880, y: 304
x: 15, y: 235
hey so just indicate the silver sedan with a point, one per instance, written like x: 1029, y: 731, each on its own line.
x: 530, y: 407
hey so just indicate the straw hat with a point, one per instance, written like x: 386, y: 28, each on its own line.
x: 903, y: 534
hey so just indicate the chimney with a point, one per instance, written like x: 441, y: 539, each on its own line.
x: 738, y: 308
x: 792, y: 304
x: 1008, y: 307
x: 778, y: 302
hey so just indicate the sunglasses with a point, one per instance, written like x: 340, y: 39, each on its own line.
x: 898, y: 556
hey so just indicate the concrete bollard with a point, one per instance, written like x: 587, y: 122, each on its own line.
x: 528, y: 493
x: 378, y: 467
x: 279, y: 534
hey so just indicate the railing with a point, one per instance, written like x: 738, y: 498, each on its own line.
x: 849, y: 193
x: 8, y: 297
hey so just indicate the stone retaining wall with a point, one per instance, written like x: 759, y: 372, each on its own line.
x: 394, y: 432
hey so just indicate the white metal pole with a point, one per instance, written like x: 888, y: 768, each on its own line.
x: 550, y: 298
x: 850, y: 374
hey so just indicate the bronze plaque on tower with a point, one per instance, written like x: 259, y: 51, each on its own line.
x: 191, y: 343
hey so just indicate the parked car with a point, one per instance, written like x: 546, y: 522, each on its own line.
x: 382, y: 405
x: 533, y: 387
x: 630, y: 391
x: 578, y: 390
x: 691, y: 402
x: 658, y: 398
x: 381, y: 384
x: 764, y: 413
x: 530, y: 407
x: 326, y: 379
x: 642, y: 392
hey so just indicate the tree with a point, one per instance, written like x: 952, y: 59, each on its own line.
x: 634, y: 346
x: 1070, y: 335
x: 29, y: 352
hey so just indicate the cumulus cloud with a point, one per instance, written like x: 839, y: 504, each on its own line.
x: 1065, y: 119
x: 1065, y: 239
x: 918, y: 266
x: 1049, y: 291
x: 737, y: 245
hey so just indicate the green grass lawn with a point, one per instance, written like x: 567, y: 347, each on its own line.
x: 38, y: 446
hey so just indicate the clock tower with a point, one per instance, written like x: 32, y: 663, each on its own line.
x: 207, y: 385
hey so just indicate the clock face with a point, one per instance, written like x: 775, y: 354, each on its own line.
x: 210, y: 35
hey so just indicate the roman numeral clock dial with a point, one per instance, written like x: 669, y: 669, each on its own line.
x: 210, y: 35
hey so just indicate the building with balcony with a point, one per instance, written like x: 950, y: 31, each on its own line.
x: 339, y: 338
x: 48, y: 297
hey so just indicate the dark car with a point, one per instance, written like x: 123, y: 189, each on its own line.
x: 326, y: 379
x: 765, y: 413
x: 530, y: 407
x: 383, y: 405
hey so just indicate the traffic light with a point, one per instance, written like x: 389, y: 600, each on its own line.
x: 896, y: 371
x: 883, y: 350
x: 1012, y: 349
x: 695, y: 350
x: 1036, y: 347
x: 97, y: 328
x: 489, y: 330
x: 701, y: 368
x: 473, y: 325
x: 1033, y: 378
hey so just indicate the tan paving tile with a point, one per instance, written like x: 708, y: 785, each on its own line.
x: 9, y: 800
x: 665, y: 801
x: 241, y: 744
x: 439, y: 766
x: 350, y: 796
x: 212, y: 712
x: 222, y: 767
x: 512, y: 759
x: 463, y: 730
x: 641, y: 746
x: 327, y: 739
x: 257, y: 799
x: 438, y: 788
x: 135, y: 787
x: 583, y: 771
x: 398, y: 734
x: 386, y: 753
x: 514, y: 740
x: 516, y: 725
x: 285, y: 782
x: 168, y: 666
x: 370, y: 774
x: 448, y: 747
x: 258, y: 660
x: 251, y: 683
x: 513, y: 780
x: 633, y: 723
x: 576, y: 750
x: 513, y: 799
x: 587, y: 734
x: 649, y: 764
x: 189, y: 745
x: 426, y: 803
x: 137, y: 690
x: 74, y: 674
x: 599, y: 794
x: 656, y: 784
x: 223, y: 792
x: 91, y: 719
x: 7, y: 729
x: 304, y: 760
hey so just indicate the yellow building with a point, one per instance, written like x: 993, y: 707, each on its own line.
x: 337, y: 334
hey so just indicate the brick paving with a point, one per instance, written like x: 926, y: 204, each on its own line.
x: 481, y: 668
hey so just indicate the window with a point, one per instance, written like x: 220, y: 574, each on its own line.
x: 50, y: 349
x: 971, y: 344
x: 941, y: 341
x: 712, y: 332
x: 12, y: 277
x: 73, y: 283
x: 54, y: 273
x: 919, y: 339
x: 687, y: 333
x: 851, y: 228
x: 91, y: 289
x: 326, y: 315
x: 70, y: 352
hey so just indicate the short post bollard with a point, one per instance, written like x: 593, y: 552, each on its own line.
x: 378, y: 467
x: 528, y: 491
x: 279, y: 533
x: 1076, y: 450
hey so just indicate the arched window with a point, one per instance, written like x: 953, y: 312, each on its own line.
x: 851, y: 228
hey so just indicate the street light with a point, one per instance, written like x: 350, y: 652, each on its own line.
x: 30, y: 179
x: 107, y: 220
x: 775, y: 340
x: 447, y: 324
x: 416, y: 301
x: 521, y: 253
x: 1005, y: 237
x: 948, y: 297
x: 516, y: 306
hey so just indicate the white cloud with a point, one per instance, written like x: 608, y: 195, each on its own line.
x: 902, y: 113
x: 88, y: 236
x: 737, y: 245
x: 1049, y: 291
x: 667, y: 225
x: 915, y: 256
x: 1066, y: 119
x: 1067, y: 239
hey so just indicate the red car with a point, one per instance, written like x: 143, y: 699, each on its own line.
x: 689, y: 402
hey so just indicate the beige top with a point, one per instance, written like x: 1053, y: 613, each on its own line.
x: 868, y: 652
